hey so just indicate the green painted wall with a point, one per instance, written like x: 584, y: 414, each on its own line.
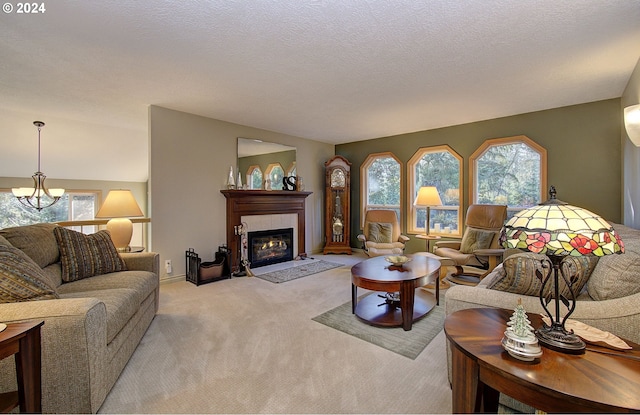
x: 583, y: 154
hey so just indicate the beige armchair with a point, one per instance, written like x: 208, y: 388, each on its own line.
x: 479, y: 251
x: 381, y: 234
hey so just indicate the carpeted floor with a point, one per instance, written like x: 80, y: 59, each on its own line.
x: 245, y: 345
x: 406, y: 343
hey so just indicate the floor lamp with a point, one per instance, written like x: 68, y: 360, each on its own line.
x: 427, y: 196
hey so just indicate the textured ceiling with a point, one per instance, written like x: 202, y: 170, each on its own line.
x: 334, y: 71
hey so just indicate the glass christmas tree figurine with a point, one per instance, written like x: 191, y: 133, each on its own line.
x: 519, y: 339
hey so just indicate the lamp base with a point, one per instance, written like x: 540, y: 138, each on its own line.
x: 560, y: 340
x: 121, y: 230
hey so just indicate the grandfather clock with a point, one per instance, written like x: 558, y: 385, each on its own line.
x: 337, y: 194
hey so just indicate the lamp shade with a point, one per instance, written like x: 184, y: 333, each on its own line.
x: 119, y: 204
x: 632, y: 123
x: 428, y: 196
x: 559, y: 229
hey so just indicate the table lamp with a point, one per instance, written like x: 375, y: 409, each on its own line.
x: 427, y: 196
x: 557, y: 230
x: 120, y: 205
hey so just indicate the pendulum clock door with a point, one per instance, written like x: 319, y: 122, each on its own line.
x: 337, y: 206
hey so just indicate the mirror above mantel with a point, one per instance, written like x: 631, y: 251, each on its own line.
x: 268, y: 157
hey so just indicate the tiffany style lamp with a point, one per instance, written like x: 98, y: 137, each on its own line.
x: 557, y: 229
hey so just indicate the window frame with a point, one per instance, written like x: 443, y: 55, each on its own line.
x: 493, y: 142
x: 267, y: 175
x: 249, y: 177
x: 70, y: 193
x: 412, y: 228
x: 364, y: 206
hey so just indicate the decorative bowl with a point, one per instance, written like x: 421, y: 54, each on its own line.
x: 397, y: 260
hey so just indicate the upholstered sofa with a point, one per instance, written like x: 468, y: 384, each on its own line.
x: 96, y: 305
x: 609, y: 299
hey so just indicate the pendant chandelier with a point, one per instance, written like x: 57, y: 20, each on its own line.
x: 33, y: 196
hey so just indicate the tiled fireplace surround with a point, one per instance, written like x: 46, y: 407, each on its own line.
x: 266, y: 210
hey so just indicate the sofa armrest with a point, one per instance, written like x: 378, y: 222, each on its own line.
x: 74, y: 351
x: 142, y: 261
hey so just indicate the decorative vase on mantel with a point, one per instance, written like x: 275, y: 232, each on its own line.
x: 231, y: 183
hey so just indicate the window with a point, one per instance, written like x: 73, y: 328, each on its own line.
x: 509, y: 171
x: 441, y: 167
x: 275, y: 173
x: 291, y: 171
x: 254, y: 177
x: 74, y: 205
x: 381, y: 177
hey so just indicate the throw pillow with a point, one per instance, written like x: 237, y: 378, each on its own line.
x: 380, y: 232
x: 37, y: 241
x: 21, y: 279
x: 83, y: 256
x: 520, y: 274
x: 617, y: 276
x: 476, y: 239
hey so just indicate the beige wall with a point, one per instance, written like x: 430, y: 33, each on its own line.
x: 190, y: 157
x: 631, y: 157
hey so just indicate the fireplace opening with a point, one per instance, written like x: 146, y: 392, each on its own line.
x: 270, y: 247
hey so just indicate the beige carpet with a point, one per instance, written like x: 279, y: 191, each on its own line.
x: 245, y: 345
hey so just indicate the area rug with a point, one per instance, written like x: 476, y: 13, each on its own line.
x: 298, y: 270
x: 406, y: 343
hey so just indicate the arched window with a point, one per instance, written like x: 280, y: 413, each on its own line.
x: 380, y: 177
x: 438, y: 166
x: 274, y: 174
x: 254, y: 177
x: 509, y: 171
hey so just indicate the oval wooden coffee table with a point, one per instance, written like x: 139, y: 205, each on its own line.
x: 377, y: 274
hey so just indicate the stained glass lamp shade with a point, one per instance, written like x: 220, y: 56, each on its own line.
x: 557, y: 229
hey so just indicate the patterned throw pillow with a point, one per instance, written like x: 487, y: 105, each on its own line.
x: 476, y: 239
x: 380, y: 232
x: 21, y: 279
x: 83, y: 256
x: 519, y: 274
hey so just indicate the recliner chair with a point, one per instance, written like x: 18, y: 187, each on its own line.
x: 479, y: 251
x: 381, y: 234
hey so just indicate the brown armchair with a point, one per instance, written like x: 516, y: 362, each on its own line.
x: 381, y: 234
x: 479, y: 251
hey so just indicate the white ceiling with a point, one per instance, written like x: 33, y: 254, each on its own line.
x: 334, y: 71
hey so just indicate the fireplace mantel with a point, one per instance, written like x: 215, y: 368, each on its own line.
x: 263, y: 202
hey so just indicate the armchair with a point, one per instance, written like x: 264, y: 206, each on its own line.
x: 381, y: 233
x: 478, y: 252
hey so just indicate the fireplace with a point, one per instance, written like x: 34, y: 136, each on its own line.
x: 263, y: 202
x: 270, y: 247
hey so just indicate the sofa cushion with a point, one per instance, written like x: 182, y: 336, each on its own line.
x: 518, y: 274
x: 84, y: 256
x: 143, y: 282
x: 121, y: 305
x: 380, y: 232
x: 37, y: 241
x: 21, y: 279
x: 476, y: 239
x: 618, y: 276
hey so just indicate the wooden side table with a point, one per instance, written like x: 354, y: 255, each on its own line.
x: 23, y: 341
x: 601, y: 380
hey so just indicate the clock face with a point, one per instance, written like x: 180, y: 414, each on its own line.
x: 337, y: 178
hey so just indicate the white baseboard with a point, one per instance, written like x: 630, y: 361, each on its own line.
x: 173, y: 278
